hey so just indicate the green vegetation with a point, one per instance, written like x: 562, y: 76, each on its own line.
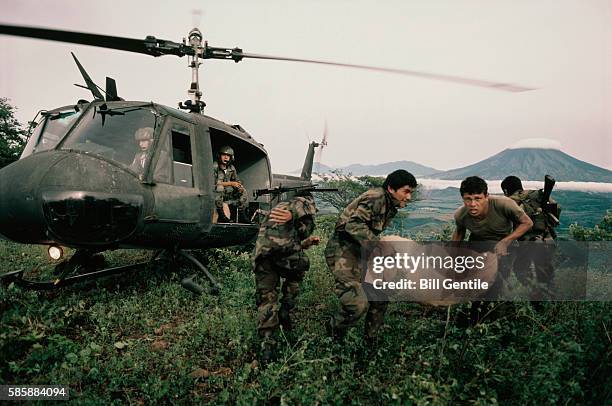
x: 12, y: 135
x: 349, y: 188
x: 601, y: 231
x: 141, y: 338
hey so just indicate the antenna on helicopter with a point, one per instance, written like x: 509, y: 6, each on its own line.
x: 111, y: 85
x: 194, y: 104
x: 93, y: 88
x: 322, y: 144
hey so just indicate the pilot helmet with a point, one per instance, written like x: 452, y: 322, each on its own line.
x: 143, y: 134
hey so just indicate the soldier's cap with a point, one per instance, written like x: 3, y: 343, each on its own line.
x: 142, y: 134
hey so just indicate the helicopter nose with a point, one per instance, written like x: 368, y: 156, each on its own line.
x: 87, y: 200
x: 21, y: 216
x: 73, y: 199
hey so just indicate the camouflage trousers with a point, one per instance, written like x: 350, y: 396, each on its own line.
x: 344, y: 261
x: 230, y: 193
x: 269, y: 272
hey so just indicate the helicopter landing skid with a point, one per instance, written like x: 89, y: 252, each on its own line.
x: 192, y: 286
x: 19, y: 280
x: 188, y: 283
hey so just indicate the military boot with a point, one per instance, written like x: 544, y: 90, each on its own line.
x: 337, y: 333
x: 284, y: 318
x: 268, y: 348
x: 375, y: 319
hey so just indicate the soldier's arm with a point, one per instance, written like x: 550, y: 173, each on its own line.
x: 234, y: 178
x: 216, y: 174
x: 458, y: 234
x: 221, y: 183
x: 304, y: 227
x: 524, y: 225
x: 358, y: 225
x: 521, y: 221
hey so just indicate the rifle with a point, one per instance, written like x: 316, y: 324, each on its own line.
x: 549, y: 209
x: 296, y: 189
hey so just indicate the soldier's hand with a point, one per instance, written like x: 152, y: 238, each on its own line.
x: 280, y: 215
x: 501, y: 248
x: 310, y: 241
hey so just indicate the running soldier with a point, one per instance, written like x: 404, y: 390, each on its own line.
x: 493, y: 220
x: 361, y: 221
x: 539, y: 249
x: 279, y: 254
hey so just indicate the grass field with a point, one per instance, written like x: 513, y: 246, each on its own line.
x: 142, y: 338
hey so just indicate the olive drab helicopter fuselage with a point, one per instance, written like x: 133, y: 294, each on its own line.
x: 75, y: 184
x: 78, y: 184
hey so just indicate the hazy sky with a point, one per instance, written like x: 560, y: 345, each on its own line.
x: 561, y: 47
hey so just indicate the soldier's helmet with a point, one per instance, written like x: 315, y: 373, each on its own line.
x: 142, y: 134
x: 304, y: 206
x: 227, y: 150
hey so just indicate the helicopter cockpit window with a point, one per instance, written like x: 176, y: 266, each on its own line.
x: 181, y: 156
x: 50, y: 130
x: 121, y: 134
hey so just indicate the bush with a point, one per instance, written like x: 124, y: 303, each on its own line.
x: 601, y: 232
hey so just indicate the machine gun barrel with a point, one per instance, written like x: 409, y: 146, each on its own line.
x: 549, y: 183
x: 279, y: 190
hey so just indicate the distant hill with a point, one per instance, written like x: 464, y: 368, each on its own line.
x: 378, y: 170
x: 319, y: 168
x: 531, y: 164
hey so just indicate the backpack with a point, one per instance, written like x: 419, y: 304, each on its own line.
x: 531, y: 201
x: 284, y: 238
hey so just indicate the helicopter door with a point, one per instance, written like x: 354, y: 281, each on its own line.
x: 176, y: 189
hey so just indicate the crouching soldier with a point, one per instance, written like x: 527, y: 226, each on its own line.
x: 279, y: 254
x: 363, y: 220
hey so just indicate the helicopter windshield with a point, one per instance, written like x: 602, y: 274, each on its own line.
x: 120, y: 134
x: 50, y: 130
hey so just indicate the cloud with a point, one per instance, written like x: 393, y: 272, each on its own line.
x: 544, y: 143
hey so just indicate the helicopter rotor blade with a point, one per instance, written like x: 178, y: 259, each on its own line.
x: 148, y: 46
x: 157, y: 47
x: 508, y: 87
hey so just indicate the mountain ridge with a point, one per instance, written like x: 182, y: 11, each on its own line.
x: 526, y: 163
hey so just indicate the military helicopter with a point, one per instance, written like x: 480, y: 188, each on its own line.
x: 75, y: 184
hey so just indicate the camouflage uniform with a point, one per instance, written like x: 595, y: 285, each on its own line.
x: 540, y: 248
x: 228, y: 192
x: 279, y: 254
x: 362, y: 220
